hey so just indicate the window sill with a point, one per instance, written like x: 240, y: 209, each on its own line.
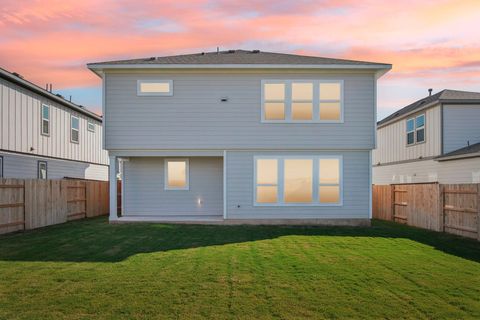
x: 298, y: 204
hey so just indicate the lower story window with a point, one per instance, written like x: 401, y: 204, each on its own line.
x: 302, y: 180
x: 176, y: 174
x: 42, y: 170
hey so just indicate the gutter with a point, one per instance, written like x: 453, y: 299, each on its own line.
x: 459, y: 156
x: 98, y: 68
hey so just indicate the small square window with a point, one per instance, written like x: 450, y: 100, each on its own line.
x: 274, y: 111
x: 176, y: 174
x: 410, y: 138
x: 42, y: 170
x: 421, y: 135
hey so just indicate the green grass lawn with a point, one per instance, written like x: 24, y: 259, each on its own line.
x: 89, y: 268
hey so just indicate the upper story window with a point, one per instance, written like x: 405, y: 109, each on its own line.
x: 74, y: 129
x: 299, y: 180
x: 45, y: 125
x: 155, y: 87
x: 416, y: 130
x: 303, y: 101
x: 90, y: 126
x: 176, y: 174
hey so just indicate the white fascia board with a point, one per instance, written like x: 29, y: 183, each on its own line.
x: 98, y: 67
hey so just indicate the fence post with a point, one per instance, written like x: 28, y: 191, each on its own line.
x: 478, y: 211
x: 392, y: 201
x: 441, y: 211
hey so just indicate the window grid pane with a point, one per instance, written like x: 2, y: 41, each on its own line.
x: 298, y: 184
x: 155, y: 87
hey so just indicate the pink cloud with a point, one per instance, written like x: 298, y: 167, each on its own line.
x: 51, y: 41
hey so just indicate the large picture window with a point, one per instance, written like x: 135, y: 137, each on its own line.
x: 299, y: 180
x: 302, y: 101
x: 176, y: 174
x: 416, y: 130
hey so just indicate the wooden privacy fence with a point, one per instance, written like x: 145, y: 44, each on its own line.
x: 30, y: 204
x: 452, y: 208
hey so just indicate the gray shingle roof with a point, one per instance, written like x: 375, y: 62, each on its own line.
x: 472, y: 150
x: 442, y: 96
x: 239, y: 57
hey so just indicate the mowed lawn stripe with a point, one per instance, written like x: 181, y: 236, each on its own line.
x: 89, y: 268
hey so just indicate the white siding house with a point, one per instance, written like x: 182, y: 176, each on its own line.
x: 42, y: 135
x: 446, y: 150
x: 241, y: 137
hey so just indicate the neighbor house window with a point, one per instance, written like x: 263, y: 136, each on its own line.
x: 155, y: 87
x: 74, y: 129
x: 42, y: 170
x: 1, y: 166
x: 302, y: 180
x: 302, y: 101
x: 90, y: 126
x: 45, y: 125
x: 416, y: 130
x: 176, y: 174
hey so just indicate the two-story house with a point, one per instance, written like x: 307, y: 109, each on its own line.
x: 44, y: 136
x: 434, y: 139
x: 241, y: 137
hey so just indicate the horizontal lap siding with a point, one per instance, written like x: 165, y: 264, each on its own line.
x: 20, y: 127
x: 240, y: 175
x: 145, y: 193
x: 194, y: 117
x: 462, y: 124
x: 25, y: 167
x: 453, y: 171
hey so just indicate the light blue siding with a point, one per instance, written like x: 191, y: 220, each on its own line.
x: 194, y: 117
x: 461, y: 124
x: 145, y: 192
x: 240, y: 189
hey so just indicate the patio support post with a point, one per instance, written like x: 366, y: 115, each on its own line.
x: 113, y: 169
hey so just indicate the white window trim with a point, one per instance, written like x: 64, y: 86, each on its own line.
x: 42, y: 119
x: 316, y: 101
x: 72, y: 129
x: 38, y: 169
x: 187, y: 173
x: 315, y: 181
x: 90, y: 123
x: 170, y: 82
x: 415, y: 129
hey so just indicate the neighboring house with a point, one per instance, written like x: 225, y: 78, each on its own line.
x: 435, y: 139
x: 42, y: 135
x: 241, y: 137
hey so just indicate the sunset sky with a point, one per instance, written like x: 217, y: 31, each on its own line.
x: 431, y: 43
